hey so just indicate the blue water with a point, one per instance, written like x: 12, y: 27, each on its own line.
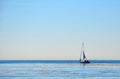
x: 57, y: 61
x: 59, y: 69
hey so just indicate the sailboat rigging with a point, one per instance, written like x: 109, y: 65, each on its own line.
x: 83, y: 58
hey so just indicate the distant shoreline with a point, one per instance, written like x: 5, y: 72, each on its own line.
x: 57, y: 61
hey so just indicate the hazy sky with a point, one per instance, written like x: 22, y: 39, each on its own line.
x: 55, y: 29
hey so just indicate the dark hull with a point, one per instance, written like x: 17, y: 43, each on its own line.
x: 85, y: 61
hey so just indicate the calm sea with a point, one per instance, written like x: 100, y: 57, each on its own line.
x: 59, y: 69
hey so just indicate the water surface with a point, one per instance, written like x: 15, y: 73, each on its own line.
x: 59, y: 69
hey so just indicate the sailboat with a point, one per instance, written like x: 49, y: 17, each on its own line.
x: 83, y: 58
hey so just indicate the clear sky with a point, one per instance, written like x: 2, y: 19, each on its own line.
x: 55, y: 29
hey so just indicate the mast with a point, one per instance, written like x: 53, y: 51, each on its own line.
x: 82, y: 50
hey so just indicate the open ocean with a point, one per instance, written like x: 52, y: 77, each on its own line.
x: 59, y: 69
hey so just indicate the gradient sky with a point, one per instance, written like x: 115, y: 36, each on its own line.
x: 55, y: 29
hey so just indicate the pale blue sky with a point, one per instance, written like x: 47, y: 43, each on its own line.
x: 55, y: 29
